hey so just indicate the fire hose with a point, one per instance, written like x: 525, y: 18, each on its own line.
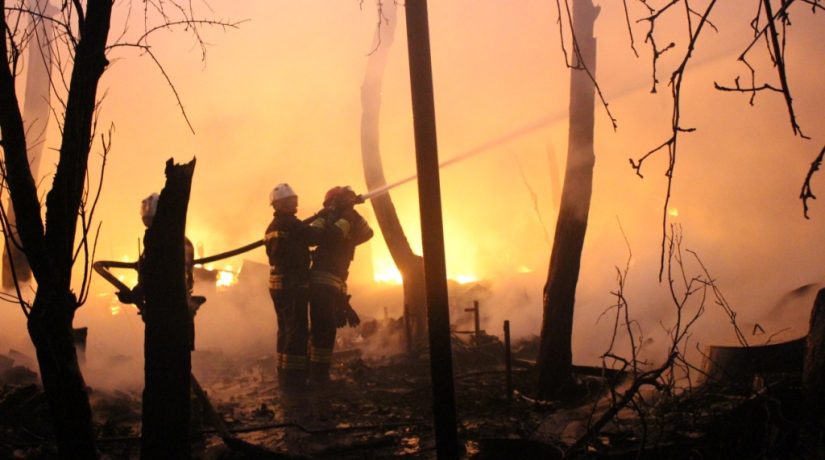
x: 102, y: 266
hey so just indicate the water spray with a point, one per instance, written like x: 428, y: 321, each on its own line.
x: 489, y: 145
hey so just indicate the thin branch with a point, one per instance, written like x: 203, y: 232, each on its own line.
x: 807, y: 192
x: 779, y: 62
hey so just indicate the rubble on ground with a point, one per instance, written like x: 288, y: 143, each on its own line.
x: 382, y: 409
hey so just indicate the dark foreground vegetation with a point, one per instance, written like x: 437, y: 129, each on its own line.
x: 383, y: 410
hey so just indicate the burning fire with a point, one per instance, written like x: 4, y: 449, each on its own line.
x: 389, y: 275
x: 226, y: 278
x: 464, y: 279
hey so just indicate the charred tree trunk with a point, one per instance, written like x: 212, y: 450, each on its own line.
x: 51, y: 333
x: 168, y: 361
x: 555, y: 354
x: 409, y: 264
x: 50, y: 248
x: 813, y: 377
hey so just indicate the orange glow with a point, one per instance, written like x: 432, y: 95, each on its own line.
x: 464, y: 279
x: 226, y: 277
x: 389, y: 275
x: 673, y: 212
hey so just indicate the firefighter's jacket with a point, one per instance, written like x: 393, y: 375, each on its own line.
x: 342, y: 232
x: 287, y: 243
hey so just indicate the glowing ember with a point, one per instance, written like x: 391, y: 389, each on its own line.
x: 523, y: 269
x: 673, y: 212
x: 226, y: 277
x: 116, y: 309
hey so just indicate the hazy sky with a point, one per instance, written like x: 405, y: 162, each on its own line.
x: 277, y: 100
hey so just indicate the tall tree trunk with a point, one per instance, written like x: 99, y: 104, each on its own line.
x: 50, y: 328
x: 36, y: 111
x: 168, y: 360
x: 555, y: 354
x: 50, y: 248
x: 409, y: 264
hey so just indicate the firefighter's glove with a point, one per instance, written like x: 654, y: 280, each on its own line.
x: 341, y: 315
x: 351, y: 317
x: 195, y: 303
x: 127, y: 296
x: 345, y: 315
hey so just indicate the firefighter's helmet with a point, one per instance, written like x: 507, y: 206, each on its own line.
x: 280, y: 192
x: 148, y: 208
x: 340, y: 195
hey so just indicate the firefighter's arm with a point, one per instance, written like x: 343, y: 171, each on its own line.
x: 361, y: 231
x: 124, y: 293
x: 328, y: 226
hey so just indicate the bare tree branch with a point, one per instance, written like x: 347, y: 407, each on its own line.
x: 807, y: 191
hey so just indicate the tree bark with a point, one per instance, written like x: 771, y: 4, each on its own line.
x: 555, y: 353
x: 813, y: 377
x: 166, y: 314
x: 51, y: 333
x: 410, y: 265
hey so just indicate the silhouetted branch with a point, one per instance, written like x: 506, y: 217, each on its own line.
x: 807, y: 191
x: 676, y: 79
x: 629, y: 28
x: 86, y: 220
x: 689, y: 295
x: 381, y: 19
x: 779, y: 61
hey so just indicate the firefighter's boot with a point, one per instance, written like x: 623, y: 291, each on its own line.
x: 319, y: 374
x: 292, y: 381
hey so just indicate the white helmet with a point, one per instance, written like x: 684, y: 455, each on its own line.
x: 280, y: 192
x: 148, y: 208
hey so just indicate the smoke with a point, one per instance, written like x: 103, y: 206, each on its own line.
x: 279, y: 101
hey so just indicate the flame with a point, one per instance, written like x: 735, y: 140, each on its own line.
x: 388, y: 276
x: 464, y: 279
x: 226, y: 277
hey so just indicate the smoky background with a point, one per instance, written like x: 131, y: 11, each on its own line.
x: 278, y: 101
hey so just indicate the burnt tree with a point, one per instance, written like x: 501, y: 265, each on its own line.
x: 166, y: 347
x: 52, y: 241
x: 555, y: 353
x: 50, y: 246
x: 410, y: 265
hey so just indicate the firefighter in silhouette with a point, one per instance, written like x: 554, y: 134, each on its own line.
x: 287, y: 243
x: 342, y: 229
x: 148, y: 209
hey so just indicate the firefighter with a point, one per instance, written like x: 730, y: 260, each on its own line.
x: 287, y: 243
x: 341, y: 230
x: 148, y: 209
